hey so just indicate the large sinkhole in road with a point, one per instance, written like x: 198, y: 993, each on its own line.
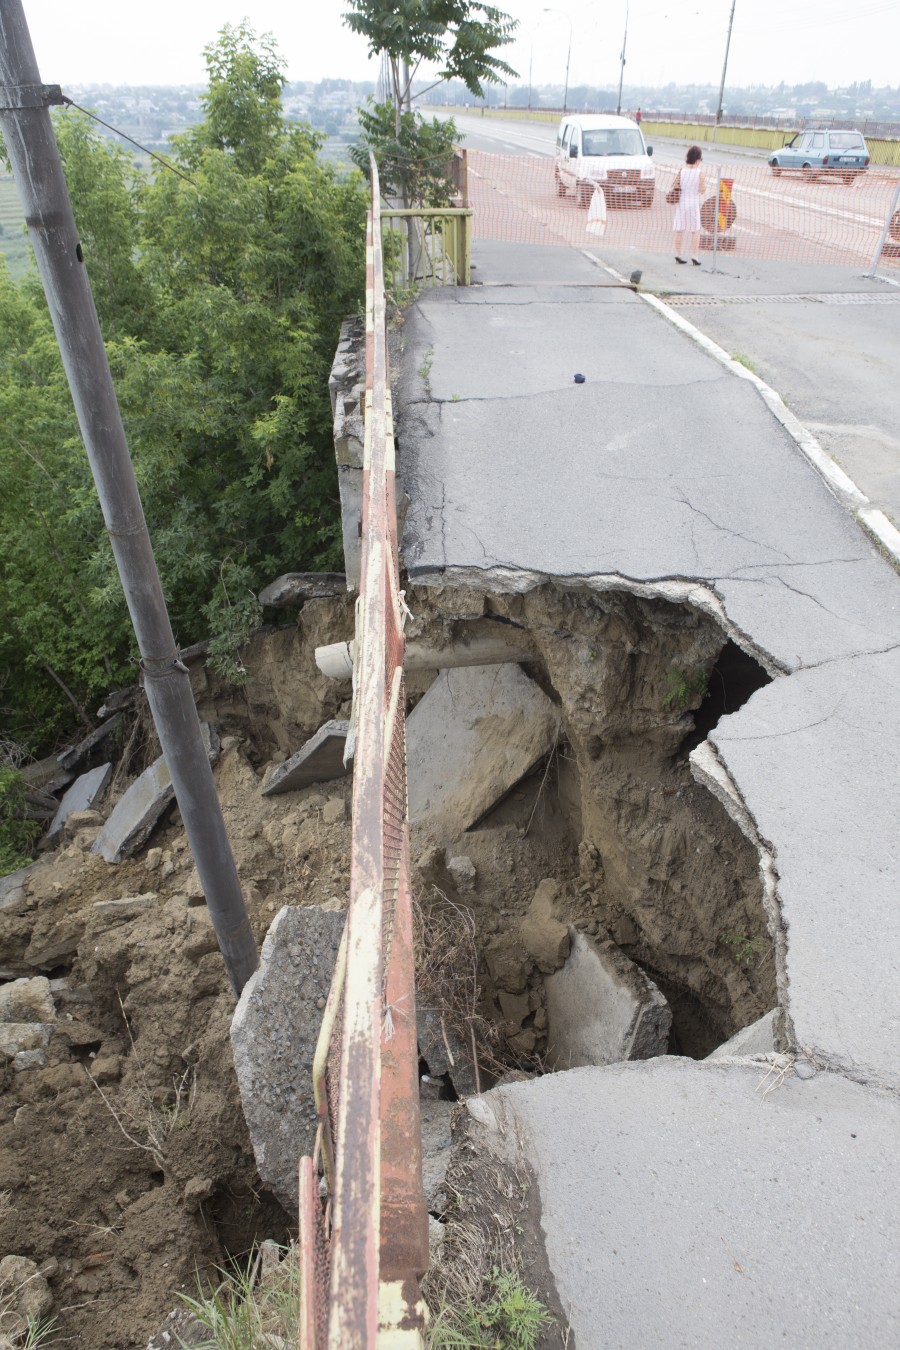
x: 608, y: 835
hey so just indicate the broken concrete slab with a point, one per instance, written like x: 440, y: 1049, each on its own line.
x: 771, y: 1217
x: 757, y: 1039
x: 602, y: 1009
x: 46, y: 774
x: 319, y: 760
x: 69, y: 758
x: 180, y: 1328
x: 134, y: 816
x: 476, y: 732
x: 815, y: 764
x: 80, y: 796
x: 347, y: 385
x: 273, y: 1036
x: 293, y: 589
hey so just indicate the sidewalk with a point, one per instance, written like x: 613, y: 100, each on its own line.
x: 681, y: 1206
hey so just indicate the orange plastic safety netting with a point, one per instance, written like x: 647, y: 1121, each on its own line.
x: 803, y: 217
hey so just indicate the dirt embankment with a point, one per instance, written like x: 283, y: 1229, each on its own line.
x: 124, y: 1154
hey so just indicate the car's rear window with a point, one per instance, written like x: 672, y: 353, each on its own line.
x: 847, y: 140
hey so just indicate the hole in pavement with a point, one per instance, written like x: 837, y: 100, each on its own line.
x: 610, y: 834
x: 732, y: 680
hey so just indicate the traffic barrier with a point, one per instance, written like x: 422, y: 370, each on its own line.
x: 826, y: 216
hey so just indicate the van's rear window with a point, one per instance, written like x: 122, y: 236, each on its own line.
x: 846, y: 140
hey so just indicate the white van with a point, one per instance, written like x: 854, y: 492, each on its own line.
x: 607, y: 152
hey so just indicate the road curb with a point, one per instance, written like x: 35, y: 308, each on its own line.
x: 841, y: 485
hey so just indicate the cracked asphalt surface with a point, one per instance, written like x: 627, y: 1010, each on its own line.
x: 665, y: 474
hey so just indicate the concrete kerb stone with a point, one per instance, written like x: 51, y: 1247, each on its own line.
x: 319, y: 760
x: 80, y: 796
x: 602, y: 1009
x: 757, y: 1039
x: 873, y: 521
x: 292, y: 589
x: 273, y: 1036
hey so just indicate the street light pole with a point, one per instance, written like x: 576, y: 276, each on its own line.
x: 549, y: 10
x: 622, y: 61
x: 724, y: 68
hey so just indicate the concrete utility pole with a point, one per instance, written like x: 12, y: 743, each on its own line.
x: 724, y: 68
x: 31, y: 145
x: 622, y: 63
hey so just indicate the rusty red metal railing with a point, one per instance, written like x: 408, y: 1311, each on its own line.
x: 363, y: 1223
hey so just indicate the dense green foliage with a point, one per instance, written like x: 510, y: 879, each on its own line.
x: 17, y: 835
x: 412, y: 154
x: 220, y: 300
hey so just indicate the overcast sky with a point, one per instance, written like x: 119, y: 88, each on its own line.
x: 680, y: 41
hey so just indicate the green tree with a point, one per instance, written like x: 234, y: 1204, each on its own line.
x: 221, y: 300
x: 460, y: 37
x: 17, y: 833
x: 412, y: 162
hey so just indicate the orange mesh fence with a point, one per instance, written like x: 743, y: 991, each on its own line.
x: 802, y: 216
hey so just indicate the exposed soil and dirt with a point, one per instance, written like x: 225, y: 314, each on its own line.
x: 136, y: 1190
x: 124, y: 1156
x: 642, y: 853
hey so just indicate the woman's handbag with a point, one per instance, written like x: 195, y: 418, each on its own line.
x: 673, y: 196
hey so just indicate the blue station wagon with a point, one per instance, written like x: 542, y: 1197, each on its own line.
x: 831, y: 154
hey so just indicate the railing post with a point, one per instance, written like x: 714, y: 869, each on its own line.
x: 716, y: 226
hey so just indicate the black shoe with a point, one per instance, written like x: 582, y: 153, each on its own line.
x: 681, y: 260
x: 695, y: 261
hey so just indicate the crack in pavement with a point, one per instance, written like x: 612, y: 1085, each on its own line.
x: 431, y: 399
x: 812, y: 562
x: 723, y: 529
x: 731, y: 739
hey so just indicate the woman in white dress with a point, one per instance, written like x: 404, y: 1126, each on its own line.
x: 687, y: 213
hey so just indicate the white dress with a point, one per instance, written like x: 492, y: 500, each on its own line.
x: 687, y: 212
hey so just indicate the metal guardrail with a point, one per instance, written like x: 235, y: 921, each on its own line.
x: 441, y: 247
x: 363, y: 1222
